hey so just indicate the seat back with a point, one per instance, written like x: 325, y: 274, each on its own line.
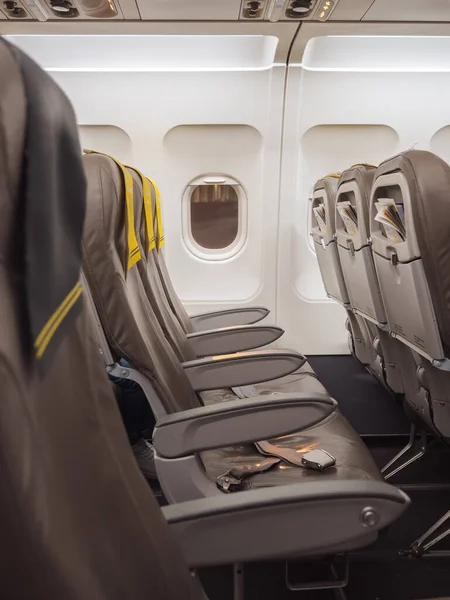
x: 158, y: 261
x: 110, y: 267
x: 413, y: 269
x: 148, y: 269
x: 355, y: 253
x: 324, y: 194
x: 322, y: 231
x: 77, y: 519
x: 353, y: 243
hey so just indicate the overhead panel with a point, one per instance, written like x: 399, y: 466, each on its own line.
x: 409, y: 10
x: 67, y: 10
x: 351, y: 10
x: 286, y: 10
x: 14, y: 10
x: 193, y: 10
x: 80, y: 9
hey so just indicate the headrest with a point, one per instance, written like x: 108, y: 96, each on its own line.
x: 362, y: 173
x: 127, y: 188
x: 428, y: 180
x: 41, y: 236
x: 328, y: 183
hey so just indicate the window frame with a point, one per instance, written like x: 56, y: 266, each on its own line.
x: 214, y: 254
x: 309, y: 223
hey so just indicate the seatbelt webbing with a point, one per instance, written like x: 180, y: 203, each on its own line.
x: 236, y: 476
x: 287, y: 454
x: 134, y: 254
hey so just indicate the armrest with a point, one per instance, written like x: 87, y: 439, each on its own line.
x: 227, y: 340
x: 305, y: 519
x: 238, y: 422
x: 232, y: 316
x: 243, y: 368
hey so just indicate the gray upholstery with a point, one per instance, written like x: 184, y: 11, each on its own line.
x: 361, y: 338
x: 334, y: 434
x: 389, y: 363
x: 414, y: 278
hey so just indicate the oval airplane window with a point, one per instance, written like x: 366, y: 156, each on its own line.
x: 214, y: 217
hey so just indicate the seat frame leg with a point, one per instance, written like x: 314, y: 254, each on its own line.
x: 432, y: 536
x: 336, y: 587
x: 238, y: 582
x: 414, y: 449
x: 197, y: 587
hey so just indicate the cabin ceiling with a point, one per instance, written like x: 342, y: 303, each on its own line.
x: 297, y: 11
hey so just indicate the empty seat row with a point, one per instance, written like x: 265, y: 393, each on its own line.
x: 384, y: 257
x: 208, y: 439
x: 124, y: 295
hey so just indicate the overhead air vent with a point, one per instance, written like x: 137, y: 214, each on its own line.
x: 253, y: 9
x: 300, y: 9
x: 64, y: 9
x: 99, y: 9
x: 78, y: 9
x: 14, y: 10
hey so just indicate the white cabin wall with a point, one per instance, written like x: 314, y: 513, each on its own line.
x: 181, y: 116
x: 178, y: 115
x: 351, y: 100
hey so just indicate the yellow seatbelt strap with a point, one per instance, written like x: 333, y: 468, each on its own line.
x: 134, y: 254
x: 148, y: 210
x: 159, y: 233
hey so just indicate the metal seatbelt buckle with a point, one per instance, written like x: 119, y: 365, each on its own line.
x: 319, y: 460
x: 227, y: 481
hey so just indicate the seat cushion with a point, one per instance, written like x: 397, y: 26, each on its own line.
x: 302, y: 380
x: 335, y: 435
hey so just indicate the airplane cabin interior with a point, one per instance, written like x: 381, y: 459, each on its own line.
x: 225, y: 299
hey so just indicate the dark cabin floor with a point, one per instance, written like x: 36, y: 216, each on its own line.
x: 377, y: 573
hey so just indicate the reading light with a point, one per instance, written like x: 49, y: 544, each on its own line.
x: 63, y: 8
x: 99, y: 9
x: 325, y: 9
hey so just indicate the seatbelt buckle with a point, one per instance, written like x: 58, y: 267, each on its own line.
x: 227, y: 481
x: 319, y: 460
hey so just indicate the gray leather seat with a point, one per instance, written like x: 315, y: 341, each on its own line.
x: 361, y: 335
x: 414, y: 278
x: 207, y: 342
x: 190, y: 324
x: 392, y: 360
x: 133, y: 333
